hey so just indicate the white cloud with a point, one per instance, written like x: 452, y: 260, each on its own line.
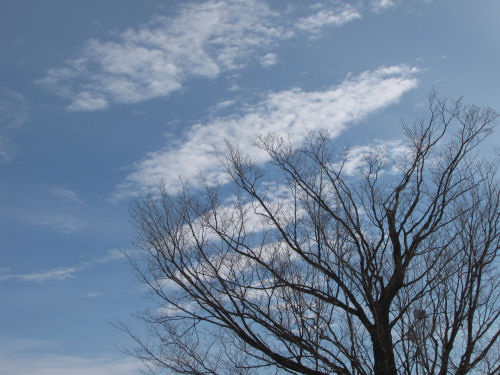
x: 23, y: 344
x: 409, y: 6
x: 39, y: 277
x: 13, y: 115
x: 381, y: 5
x: 328, y: 16
x: 60, y: 273
x: 66, y: 194
x: 56, y: 274
x: 93, y: 294
x: 268, y: 60
x: 203, y: 39
x: 31, y: 364
x: 86, y: 101
x: 293, y: 112
x: 62, y: 223
x: 65, y: 216
x: 224, y: 106
x: 29, y: 356
x: 388, y: 150
x: 112, y: 256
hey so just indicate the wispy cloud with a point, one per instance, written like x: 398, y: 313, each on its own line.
x: 328, y: 15
x: 93, y: 294
x: 410, y: 6
x: 39, y: 277
x: 64, y: 214
x: 389, y: 151
x: 60, y: 273
x: 23, y: 344
x: 67, y: 195
x: 29, y: 356
x: 112, y: 256
x: 293, y: 112
x: 13, y: 115
x: 62, y: 223
x: 36, y: 364
x: 381, y: 5
x: 203, y: 40
x: 268, y: 60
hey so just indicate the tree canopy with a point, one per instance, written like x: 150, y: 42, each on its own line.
x: 374, y: 260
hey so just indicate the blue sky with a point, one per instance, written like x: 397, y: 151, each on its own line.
x: 101, y: 100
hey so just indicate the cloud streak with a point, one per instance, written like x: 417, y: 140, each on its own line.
x: 202, y: 40
x: 67, y: 195
x: 332, y: 15
x: 292, y: 112
x: 381, y: 5
x: 13, y: 115
x: 68, y: 220
x: 40, y: 277
x: 62, y: 223
x: 31, y: 364
x: 60, y: 273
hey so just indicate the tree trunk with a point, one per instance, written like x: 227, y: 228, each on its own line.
x: 383, y: 353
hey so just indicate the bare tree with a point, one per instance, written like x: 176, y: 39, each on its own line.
x: 323, y: 265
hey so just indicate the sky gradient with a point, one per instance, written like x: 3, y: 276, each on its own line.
x: 99, y: 101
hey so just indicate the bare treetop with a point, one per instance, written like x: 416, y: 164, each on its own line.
x: 381, y: 262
